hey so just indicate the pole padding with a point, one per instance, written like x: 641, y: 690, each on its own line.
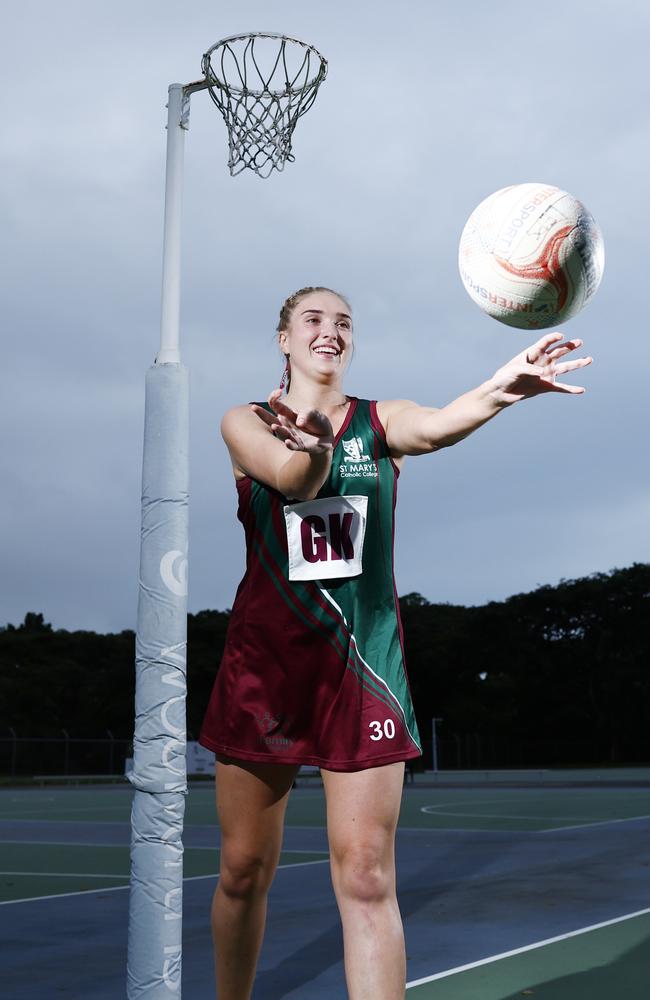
x: 159, y: 745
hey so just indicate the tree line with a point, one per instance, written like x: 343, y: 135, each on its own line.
x: 555, y: 676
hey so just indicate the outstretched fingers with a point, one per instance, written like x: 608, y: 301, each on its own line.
x: 562, y: 369
x: 539, y: 348
x: 570, y: 366
x: 564, y: 387
x: 562, y: 349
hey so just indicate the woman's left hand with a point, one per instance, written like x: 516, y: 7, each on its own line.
x: 535, y: 369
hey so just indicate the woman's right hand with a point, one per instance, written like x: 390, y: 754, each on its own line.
x: 308, y: 430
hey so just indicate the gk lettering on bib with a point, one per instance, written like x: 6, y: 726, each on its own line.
x: 325, y: 537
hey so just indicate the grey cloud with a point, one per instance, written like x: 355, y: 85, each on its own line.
x: 427, y: 108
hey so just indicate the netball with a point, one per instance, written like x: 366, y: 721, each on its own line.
x: 531, y: 256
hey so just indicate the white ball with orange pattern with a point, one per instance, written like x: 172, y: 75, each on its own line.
x: 531, y: 256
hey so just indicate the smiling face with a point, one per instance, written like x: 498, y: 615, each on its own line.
x: 318, y: 336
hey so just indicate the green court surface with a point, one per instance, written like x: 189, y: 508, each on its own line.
x: 608, y: 962
x: 530, y: 809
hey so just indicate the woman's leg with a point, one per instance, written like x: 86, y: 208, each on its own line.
x: 362, y: 813
x: 251, y: 803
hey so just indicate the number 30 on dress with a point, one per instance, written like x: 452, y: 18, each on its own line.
x: 387, y: 730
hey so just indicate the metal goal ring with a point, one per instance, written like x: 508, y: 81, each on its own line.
x: 214, y: 80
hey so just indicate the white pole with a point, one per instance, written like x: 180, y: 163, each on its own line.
x: 171, y: 279
x: 159, y: 743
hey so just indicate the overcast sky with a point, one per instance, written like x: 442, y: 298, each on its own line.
x: 428, y: 107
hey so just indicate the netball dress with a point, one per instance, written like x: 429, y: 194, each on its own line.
x: 313, y: 667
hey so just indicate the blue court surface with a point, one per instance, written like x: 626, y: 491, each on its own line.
x: 511, y: 884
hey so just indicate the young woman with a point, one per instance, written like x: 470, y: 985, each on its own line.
x: 313, y: 669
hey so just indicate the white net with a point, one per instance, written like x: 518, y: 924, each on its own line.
x: 262, y: 84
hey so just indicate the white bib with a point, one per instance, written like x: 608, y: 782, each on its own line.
x: 325, y: 537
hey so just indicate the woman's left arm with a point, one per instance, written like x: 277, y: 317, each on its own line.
x: 419, y: 430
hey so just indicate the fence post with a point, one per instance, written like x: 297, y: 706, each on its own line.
x: 111, y: 749
x: 479, y: 754
x: 66, y: 753
x: 467, y: 740
x: 434, y: 744
x: 14, y: 748
x: 459, y: 752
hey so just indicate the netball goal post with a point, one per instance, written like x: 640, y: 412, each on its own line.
x: 262, y: 84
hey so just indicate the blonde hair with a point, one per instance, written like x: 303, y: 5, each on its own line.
x: 286, y: 313
x: 292, y: 301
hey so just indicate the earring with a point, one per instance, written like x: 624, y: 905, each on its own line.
x: 286, y: 374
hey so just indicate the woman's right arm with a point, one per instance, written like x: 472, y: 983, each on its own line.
x: 296, y: 463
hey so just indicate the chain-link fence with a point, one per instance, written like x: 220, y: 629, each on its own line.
x: 28, y: 756
x: 467, y: 751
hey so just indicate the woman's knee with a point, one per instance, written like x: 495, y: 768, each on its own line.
x: 251, y: 802
x: 245, y: 874
x: 363, y: 872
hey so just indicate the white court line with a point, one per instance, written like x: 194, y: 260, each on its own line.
x: 62, y: 895
x: 425, y: 809
x: 74, y: 843
x: 604, y: 822
x: 85, y: 843
x: 467, y: 802
x: 553, y: 829
x: 104, y: 822
x: 298, y: 864
x: 465, y: 829
x: 62, y: 874
x: 118, y: 888
x: 49, y: 798
x: 528, y: 947
x: 429, y: 829
x: 68, y: 809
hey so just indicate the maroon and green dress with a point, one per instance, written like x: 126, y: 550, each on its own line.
x: 313, y: 668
